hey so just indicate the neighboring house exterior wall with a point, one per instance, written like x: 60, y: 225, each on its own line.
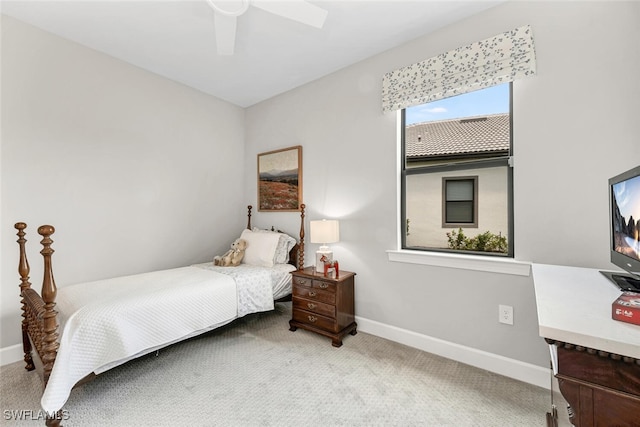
x: 446, y: 142
x: 425, y: 200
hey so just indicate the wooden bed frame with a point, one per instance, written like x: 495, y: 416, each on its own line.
x: 39, y: 316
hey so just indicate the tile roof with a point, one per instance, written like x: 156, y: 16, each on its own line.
x: 470, y: 135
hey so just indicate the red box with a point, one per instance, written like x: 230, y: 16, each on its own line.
x: 627, y: 308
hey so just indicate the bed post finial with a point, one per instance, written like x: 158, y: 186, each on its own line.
x: 249, y: 217
x: 49, y: 291
x: 301, y: 251
x: 23, y: 270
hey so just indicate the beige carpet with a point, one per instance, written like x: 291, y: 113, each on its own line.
x: 255, y: 372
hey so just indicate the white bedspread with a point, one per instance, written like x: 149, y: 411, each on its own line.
x: 247, y: 276
x: 110, y: 321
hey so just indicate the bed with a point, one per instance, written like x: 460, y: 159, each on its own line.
x: 79, y: 331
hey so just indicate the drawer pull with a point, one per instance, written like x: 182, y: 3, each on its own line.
x: 312, y: 318
x: 312, y: 294
x: 311, y: 305
x: 323, y: 286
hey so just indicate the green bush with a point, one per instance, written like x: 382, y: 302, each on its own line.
x: 485, y: 242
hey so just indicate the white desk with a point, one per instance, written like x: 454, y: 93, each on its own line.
x: 598, y: 358
x: 574, y: 306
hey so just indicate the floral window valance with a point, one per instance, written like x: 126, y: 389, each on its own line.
x: 499, y: 59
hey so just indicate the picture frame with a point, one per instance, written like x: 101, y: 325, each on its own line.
x: 280, y: 180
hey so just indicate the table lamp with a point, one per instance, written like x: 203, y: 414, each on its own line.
x: 323, y: 232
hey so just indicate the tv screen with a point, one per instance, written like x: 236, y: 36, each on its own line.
x: 624, y: 194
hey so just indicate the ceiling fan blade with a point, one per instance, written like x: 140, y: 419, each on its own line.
x: 225, y: 33
x: 297, y: 10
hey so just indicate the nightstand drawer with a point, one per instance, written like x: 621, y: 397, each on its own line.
x: 315, y: 307
x: 315, y: 319
x: 314, y: 294
x: 327, y: 286
x: 302, y: 281
x: 318, y: 284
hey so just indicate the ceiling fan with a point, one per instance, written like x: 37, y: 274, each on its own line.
x: 227, y: 12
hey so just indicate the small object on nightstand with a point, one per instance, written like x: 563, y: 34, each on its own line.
x: 330, y: 267
x: 324, y: 305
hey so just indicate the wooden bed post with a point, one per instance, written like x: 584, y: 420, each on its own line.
x: 301, y: 251
x: 249, y: 217
x: 23, y: 270
x: 49, y: 291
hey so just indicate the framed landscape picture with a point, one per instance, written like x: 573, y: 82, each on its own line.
x: 280, y: 180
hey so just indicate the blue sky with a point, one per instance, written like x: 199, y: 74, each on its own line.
x: 491, y: 100
x: 628, y: 198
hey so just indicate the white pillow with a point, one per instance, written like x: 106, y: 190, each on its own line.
x: 285, y: 244
x: 261, y: 248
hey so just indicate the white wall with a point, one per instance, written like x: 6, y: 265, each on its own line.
x: 575, y: 125
x: 132, y: 169
x: 425, y: 196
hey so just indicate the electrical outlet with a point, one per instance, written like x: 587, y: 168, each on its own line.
x: 505, y: 314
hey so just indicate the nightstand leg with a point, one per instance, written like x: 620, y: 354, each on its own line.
x: 336, y: 343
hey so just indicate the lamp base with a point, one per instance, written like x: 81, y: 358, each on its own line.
x: 323, y: 254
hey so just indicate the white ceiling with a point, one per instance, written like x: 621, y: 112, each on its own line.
x: 176, y: 39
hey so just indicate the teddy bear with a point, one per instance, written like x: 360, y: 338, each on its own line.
x: 233, y: 256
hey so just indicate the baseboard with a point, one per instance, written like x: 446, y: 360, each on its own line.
x: 11, y: 354
x: 511, y: 368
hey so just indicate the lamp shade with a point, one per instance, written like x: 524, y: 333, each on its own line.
x: 325, y: 231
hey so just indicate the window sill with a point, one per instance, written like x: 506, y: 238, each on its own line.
x: 462, y: 261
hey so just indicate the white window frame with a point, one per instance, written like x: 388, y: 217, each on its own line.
x: 462, y: 167
x: 516, y: 52
x: 475, y: 262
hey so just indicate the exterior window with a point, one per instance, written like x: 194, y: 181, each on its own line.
x: 457, y: 174
x: 460, y: 199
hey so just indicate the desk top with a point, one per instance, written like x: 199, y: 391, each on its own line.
x: 574, y: 306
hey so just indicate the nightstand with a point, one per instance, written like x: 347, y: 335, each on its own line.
x: 323, y: 304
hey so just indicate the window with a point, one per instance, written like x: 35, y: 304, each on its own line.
x: 460, y: 197
x: 456, y: 173
x: 473, y: 141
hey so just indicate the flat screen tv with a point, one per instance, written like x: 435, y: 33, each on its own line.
x: 624, y: 223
